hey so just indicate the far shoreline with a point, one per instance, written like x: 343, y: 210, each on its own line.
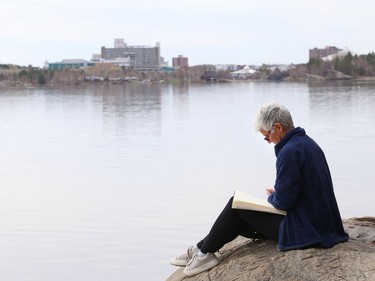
x: 13, y: 85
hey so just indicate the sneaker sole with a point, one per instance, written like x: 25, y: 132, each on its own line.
x: 178, y: 263
x: 202, y: 268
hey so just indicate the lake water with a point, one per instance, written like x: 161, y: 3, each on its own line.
x: 110, y: 182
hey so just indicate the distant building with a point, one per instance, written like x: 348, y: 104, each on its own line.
x: 69, y: 64
x: 180, y: 62
x: 96, y: 58
x: 139, y: 57
x: 244, y: 73
x: 119, y: 43
x: 323, y: 53
x: 163, y: 62
x: 121, y: 62
x: 227, y: 67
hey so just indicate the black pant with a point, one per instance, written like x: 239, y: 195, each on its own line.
x: 234, y: 222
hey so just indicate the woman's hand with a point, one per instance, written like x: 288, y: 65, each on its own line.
x: 269, y: 191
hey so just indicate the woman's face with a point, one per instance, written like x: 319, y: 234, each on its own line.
x: 275, y: 134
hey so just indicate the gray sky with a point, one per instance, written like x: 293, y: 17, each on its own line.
x: 207, y: 32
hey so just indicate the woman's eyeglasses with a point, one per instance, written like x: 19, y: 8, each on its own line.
x: 267, y: 137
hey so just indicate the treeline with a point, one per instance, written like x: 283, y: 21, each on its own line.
x: 354, y: 66
x: 14, y: 74
x: 357, y: 65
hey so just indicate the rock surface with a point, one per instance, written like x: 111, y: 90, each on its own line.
x: 337, y: 75
x: 245, y: 259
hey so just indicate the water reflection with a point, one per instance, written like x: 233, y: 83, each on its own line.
x: 342, y: 115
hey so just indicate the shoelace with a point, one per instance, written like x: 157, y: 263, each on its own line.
x: 191, y: 260
x: 186, y: 255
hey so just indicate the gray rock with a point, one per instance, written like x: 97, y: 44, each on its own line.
x: 245, y: 259
x: 337, y: 75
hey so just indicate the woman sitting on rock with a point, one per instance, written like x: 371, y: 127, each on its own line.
x: 303, y: 187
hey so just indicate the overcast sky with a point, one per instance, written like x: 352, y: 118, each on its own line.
x: 207, y: 32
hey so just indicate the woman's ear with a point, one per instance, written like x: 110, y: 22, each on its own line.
x: 279, y: 127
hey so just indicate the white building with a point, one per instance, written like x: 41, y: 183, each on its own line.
x: 339, y: 54
x: 243, y: 73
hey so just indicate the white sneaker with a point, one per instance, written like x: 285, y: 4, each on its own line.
x: 198, y: 265
x: 184, y: 259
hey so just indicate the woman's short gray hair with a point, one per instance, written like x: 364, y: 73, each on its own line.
x: 272, y: 113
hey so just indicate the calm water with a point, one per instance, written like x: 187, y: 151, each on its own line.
x: 110, y: 182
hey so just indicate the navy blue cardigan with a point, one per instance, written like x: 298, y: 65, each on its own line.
x: 304, y: 189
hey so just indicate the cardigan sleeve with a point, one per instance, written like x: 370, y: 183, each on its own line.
x: 288, y: 177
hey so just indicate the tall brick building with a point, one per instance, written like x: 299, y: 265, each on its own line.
x: 180, y: 61
x: 322, y: 53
